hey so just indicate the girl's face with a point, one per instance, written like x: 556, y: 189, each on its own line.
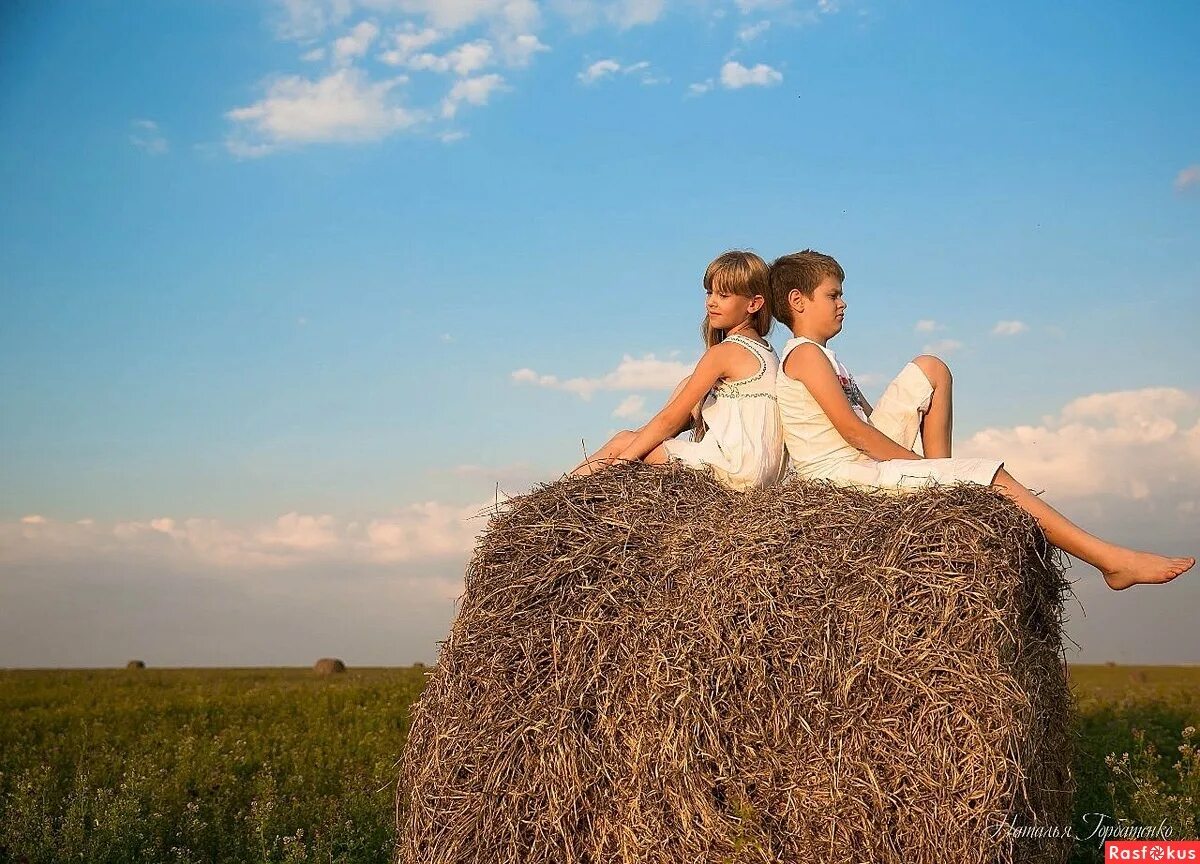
x: 726, y: 311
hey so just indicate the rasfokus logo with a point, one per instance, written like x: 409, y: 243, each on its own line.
x: 1152, y: 850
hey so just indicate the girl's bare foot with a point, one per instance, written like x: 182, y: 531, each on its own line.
x: 1144, y: 568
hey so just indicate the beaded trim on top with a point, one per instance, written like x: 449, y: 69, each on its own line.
x: 733, y: 389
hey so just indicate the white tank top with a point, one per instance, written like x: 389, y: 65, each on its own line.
x: 744, y: 441
x: 814, y: 445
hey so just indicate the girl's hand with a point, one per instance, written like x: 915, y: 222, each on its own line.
x: 713, y: 366
x: 594, y: 466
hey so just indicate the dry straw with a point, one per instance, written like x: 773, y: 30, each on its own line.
x: 647, y: 667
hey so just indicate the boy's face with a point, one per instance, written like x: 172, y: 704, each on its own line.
x: 821, y: 314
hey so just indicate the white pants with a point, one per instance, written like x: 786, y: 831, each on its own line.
x: 898, y: 415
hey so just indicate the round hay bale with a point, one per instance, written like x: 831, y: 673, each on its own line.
x: 136, y: 664
x: 329, y: 666
x: 649, y: 667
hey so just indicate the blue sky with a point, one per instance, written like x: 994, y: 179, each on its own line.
x: 271, y: 271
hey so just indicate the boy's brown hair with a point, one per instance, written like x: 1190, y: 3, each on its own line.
x: 800, y: 271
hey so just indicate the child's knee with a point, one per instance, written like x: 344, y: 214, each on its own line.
x: 935, y: 369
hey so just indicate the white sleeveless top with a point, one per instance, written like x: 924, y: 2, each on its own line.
x: 815, y: 447
x: 744, y: 441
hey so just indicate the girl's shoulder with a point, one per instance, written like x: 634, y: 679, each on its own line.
x: 752, y: 344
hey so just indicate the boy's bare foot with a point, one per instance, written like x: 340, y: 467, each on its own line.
x: 1144, y: 568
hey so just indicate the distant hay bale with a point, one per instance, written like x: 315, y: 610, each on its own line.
x: 329, y: 666
x: 136, y: 664
x: 647, y: 667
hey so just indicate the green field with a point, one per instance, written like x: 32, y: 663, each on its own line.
x: 206, y: 765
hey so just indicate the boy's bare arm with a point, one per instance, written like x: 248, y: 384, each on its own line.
x: 808, y: 364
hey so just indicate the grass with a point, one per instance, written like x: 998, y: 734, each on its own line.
x: 279, y: 765
x: 1140, y: 716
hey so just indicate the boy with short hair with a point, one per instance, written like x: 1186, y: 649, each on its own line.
x: 832, y: 432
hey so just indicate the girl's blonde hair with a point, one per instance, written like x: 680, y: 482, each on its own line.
x: 734, y: 272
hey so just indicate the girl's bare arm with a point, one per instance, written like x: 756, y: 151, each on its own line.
x: 675, y: 415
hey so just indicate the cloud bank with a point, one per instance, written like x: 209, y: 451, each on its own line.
x: 187, y: 590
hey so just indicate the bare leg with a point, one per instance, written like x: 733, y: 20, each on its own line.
x: 937, y: 425
x: 1122, y: 567
x: 657, y: 456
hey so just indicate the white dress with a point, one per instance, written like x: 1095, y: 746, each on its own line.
x: 744, y: 441
x: 818, y: 451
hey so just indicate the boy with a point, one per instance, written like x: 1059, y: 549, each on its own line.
x: 832, y: 432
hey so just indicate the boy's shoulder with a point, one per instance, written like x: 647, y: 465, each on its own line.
x: 805, y: 351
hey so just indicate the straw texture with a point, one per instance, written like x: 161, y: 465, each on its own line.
x: 647, y: 667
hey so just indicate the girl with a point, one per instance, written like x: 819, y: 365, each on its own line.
x: 729, y: 399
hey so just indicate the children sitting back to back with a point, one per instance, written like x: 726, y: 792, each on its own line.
x: 732, y: 389
x: 833, y: 433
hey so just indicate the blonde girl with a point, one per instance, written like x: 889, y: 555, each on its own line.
x: 729, y: 399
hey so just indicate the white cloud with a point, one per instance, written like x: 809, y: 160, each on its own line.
x: 623, y: 14
x: 462, y: 61
x: 748, y: 6
x: 599, y: 69
x: 631, y: 406
x: 632, y: 13
x: 343, y: 106
x: 927, y: 325
x: 306, y: 19
x: 752, y: 31
x: 519, y: 50
x: 943, y: 346
x: 528, y: 376
x: 472, y: 91
x: 356, y: 43
x: 303, y: 19
x: 246, y: 150
x: 407, y: 41
x: 1188, y: 178
x: 734, y: 76
x: 609, y: 67
x: 313, y: 55
x: 700, y: 88
x: 147, y: 137
x: 1009, y: 328
x: 514, y: 49
x: 646, y: 373
x: 426, y: 531
x: 1132, y: 444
